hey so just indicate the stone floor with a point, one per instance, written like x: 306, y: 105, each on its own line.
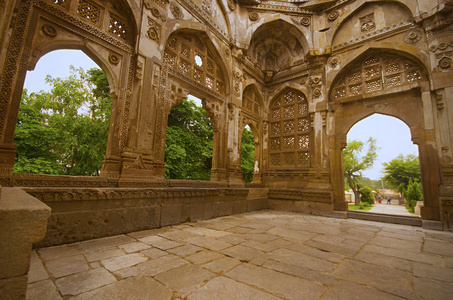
x: 259, y: 255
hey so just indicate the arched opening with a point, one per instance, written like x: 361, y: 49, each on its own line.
x: 393, y: 172
x: 394, y: 84
x: 194, y: 64
x: 249, y: 164
x: 189, y: 142
x: 63, y: 120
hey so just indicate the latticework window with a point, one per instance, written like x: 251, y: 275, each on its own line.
x: 377, y: 72
x: 189, y: 56
x: 250, y: 101
x: 89, y: 11
x: 289, y: 131
x: 107, y: 16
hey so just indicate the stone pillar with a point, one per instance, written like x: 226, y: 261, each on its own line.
x: 23, y: 221
x: 336, y: 146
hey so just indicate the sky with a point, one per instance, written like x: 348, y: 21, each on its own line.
x: 392, y: 135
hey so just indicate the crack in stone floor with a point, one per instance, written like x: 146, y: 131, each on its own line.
x: 257, y: 255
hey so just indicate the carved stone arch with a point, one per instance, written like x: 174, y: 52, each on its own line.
x: 223, y: 4
x: 289, y: 131
x: 278, y: 41
x: 252, y: 101
x: 377, y: 72
x: 109, y: 62
x: 391, y: 84
x: 256, y: 128
x: 205, y: 40
x: 298, y: 31
x: 45, y: 25
x: 302, y: 87
x: 367, y: 19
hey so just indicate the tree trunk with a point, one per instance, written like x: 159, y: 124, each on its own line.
x: 355, y: 190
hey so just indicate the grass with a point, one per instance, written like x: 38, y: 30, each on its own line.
x: 357, y: 207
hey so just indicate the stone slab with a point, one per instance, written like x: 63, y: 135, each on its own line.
x: 277, y: 283
x: 184, y: 278
x: 222, y: 288
x: 124, y: 261
x: 137, y: 288
x: 84, y: 282
x: 42, y: 290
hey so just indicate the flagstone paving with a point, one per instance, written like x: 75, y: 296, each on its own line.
x: 258, y: 255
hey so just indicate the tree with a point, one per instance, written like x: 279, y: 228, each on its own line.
x: 247, y: 155
x: 413, y: 194
x: 188, y: 147
x: 354, y: 162
x: 400, y: 171
x: 64, y: 131
x: 366, y: 195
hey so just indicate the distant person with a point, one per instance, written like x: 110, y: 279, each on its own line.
x: 388, y: 200
x: 379, y: 199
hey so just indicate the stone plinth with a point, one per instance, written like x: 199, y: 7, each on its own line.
x: 23, y: 221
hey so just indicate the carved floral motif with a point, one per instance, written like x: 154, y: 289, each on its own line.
x: 367, y: 23
x: 49, y: 30
x: 176, y: 11
x: 114, y: 59
x: 333, y: 15
x: 254, y: 16
x: 413, y: 36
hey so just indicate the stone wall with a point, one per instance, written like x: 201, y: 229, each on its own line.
x: 86, y: 213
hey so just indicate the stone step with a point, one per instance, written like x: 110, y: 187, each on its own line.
x: 395, y: 219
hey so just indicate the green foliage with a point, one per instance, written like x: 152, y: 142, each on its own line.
x: 361, y: 206
x: 413, y: 194
x: 366, y: 195
x: 247, y: 155
x: 188, y: 148
x: 64, y: 131
x: 400, y: 171
x: 355, y: 161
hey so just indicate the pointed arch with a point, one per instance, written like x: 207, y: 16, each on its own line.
x: 289, y: 132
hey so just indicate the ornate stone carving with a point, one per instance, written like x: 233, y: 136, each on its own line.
x: 137, y: 164
x: 334, y: 61
x: 176, y: 11
x: 139, y: 70
x: 444, y: 63
x: 231, y: 109
x: 373, y: 34
x: 317, y: 93
x: 305, y: 21
x: 207, y: 6
x: 413, y: 36
x: 333, y: 15
x: 231, y: 5
x: 254, y: 16
x: 49, y: 30
x: 154, y: 30
x: 439, y: 99
x: 114, y: 59
x: 238, y: 78
x: 367, y: 23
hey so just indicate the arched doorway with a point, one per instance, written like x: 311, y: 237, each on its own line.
x: 394, y: 165
x: 394, y: 85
